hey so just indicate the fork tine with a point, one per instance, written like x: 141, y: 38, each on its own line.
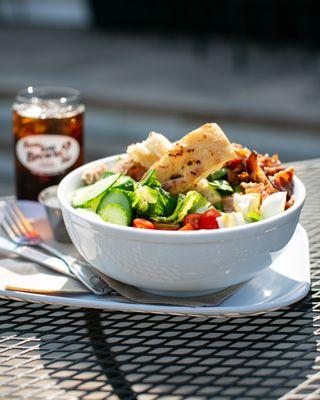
x: 14, y: 221
x: 24, y: 221
x: 7, y: 228
x: 10, y: 221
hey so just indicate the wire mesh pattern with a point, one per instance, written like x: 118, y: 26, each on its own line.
x: 50, y: 352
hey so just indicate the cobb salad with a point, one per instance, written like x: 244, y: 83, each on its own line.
x: 200, y: 182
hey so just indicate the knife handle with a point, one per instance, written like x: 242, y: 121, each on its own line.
x: 89, y: 277
x: 85, y: 273
x: 44, y: 259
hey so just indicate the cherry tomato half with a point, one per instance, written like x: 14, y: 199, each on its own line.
x: 208, y: 219
x: 187, y: 227
x: 142, y: 223
x: 192, y: 219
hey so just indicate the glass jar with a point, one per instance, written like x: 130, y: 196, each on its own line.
x: 48, y: 137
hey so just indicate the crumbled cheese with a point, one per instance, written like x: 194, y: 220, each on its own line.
x: 230, y: 219
x: 273, y: 204
x: 246, y: 203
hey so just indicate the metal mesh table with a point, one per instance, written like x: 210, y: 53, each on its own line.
x: 50, y: 352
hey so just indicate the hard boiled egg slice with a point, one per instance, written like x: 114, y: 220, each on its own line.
x: 273, y: 204
x: 246, y: 203
x: 230, y: 219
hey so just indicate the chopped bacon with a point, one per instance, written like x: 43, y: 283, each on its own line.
x: 291, y: 201
x: 255, y: 171
x: 257, y: 174
x: 236, y: 164
x: 270, y: 171
x: 237, y: 171
x: 243, y: 176
x: 269, y: 161
x: 129, y: 167
x: 283, y: 181
x: 241, y: 152
x: 253, y: 187
x: 270, y: 164
x: 234, y: 177
x: 136, y: 172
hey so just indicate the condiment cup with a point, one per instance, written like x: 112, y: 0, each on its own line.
x: 48, y: 198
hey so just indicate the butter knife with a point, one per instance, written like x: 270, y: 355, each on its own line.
x: 77, y: 269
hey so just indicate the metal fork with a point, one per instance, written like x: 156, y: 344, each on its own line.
x: 21, y: 232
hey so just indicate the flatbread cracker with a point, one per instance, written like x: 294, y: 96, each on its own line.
x: 193, y: 157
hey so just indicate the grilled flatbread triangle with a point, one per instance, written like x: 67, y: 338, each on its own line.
x: 193, y: 157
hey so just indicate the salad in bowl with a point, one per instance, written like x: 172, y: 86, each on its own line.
x: 200, y: 182
x: 183, y: 218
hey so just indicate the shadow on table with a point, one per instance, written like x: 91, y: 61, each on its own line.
x: 48, y: 351
x: 106, y: 358
x: 255, y: 357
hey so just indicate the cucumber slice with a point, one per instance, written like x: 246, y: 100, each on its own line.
x: 125, y: 183
x: 115, y: 214
x: 93, y: 204
x: 84, y: 195
x: 115, y: 196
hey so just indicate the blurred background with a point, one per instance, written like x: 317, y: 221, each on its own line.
x: 253, y: 66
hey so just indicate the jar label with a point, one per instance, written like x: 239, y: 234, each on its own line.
x: 47, y: 154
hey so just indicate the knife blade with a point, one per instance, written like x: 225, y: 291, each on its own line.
x: 79, y: 270
x: 31, y: 254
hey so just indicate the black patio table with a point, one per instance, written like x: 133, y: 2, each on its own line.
x: 52, y: 352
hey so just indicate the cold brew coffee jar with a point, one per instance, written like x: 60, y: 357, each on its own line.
x: 48, y: 137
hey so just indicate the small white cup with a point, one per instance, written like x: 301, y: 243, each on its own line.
x: 48, y: 198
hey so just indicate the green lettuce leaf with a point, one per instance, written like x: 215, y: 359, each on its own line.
x: 222, y: 186
x: 200, y: 205
x: 126, y: 183
x: 152, y: 202
x: 107, y: 173
x: 219, y: 206
x: 165, y: 202
x: 222, y: 172
x: 189, y: 203
x: 143, y: 198
x: 254, y: 217
x: 150, y: 180
x: 237, y: 188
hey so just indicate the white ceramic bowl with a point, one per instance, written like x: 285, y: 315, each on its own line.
x: 172, y: 262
